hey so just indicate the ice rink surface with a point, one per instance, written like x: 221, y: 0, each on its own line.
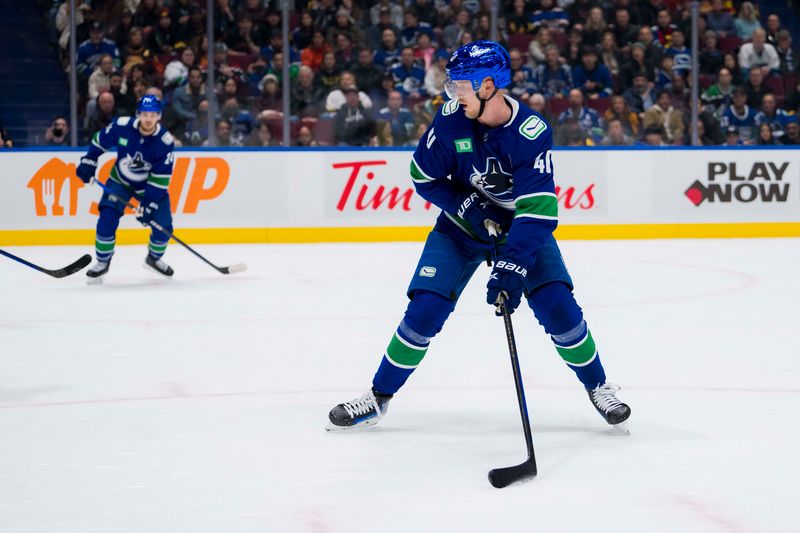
x: 198, y: 404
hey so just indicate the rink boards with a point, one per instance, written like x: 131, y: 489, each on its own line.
x: 356, y: 195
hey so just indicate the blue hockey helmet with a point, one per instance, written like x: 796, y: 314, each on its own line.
x: 149, y: 102
x: 477, y: 60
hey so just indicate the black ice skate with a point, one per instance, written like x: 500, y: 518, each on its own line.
x: 158, y: 266
x: 361, y: 412
x: 96, y: 273
x: 604, y: 398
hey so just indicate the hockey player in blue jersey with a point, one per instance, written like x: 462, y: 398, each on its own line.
x: 145, y: 155
x: 486, y: 157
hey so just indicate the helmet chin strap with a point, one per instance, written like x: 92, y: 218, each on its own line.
x: 484, y: 100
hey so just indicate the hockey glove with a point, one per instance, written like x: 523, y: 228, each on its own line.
x: 507, y: 279
x: 147, y: 212
x: 86, y: 169
x: 475, y: 209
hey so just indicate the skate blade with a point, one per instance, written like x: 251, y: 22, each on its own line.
x: 622, y: 428
x: 151, y: 269
x: 95, y: 281
x: 363, y: 425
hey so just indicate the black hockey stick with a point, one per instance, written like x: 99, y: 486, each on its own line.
x: 502, y: 477
x: 233, y: 269
x: 58, y: 273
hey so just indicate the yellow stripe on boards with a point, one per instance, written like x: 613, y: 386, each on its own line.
x: 396, y: 234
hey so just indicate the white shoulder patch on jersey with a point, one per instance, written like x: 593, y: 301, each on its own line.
x: 450, y: 107
x: 123, y: 121
x: 532, y: 128
x: 431, y: 139
x: 167, y: 138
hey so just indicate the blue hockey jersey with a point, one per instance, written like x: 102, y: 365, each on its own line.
x: 510, y: 165
x: 144, y: 163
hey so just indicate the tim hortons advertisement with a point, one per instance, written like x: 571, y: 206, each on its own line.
x: 375, y: 185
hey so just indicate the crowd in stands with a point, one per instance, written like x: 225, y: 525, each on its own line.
x: 603, y: 72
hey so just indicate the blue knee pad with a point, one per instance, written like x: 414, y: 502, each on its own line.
x: 108, y: 221
x: 555, y: 308
x: 427, y: 312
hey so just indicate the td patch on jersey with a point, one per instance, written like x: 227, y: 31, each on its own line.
x: 494, y: 182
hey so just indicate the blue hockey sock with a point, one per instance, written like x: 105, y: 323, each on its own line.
x: 424, y: 318
x: 577, y: 348
x: 105, y: 240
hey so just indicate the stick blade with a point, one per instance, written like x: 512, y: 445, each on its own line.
x: 503, y: 477
x: 235, y: 269
x: 78, y: 265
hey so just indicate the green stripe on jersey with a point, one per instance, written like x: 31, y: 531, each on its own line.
x: 418, y: 175
x: 404, y: 355
x: 158, y: 181
x: 542, y: 205
x: 580, y: 353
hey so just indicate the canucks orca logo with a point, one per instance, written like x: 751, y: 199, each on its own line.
x: 495, y: 183
x: 134, y: 168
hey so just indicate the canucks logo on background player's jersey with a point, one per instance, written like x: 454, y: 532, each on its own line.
x: 509, y: 165
x: 134, y: 168
x: 141, y: 160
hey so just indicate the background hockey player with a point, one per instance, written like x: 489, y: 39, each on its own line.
x: 145, y: 155
x: 497, y: 154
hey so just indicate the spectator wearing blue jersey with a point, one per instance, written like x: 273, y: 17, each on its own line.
x: 91, y: 50
x: 741, y: 115
x: 400, y: 118
x: 550, y: 16
x: 553, y: 79
x: 388, y: 53
x: 664, y: 73
x: 586, y: 117
x: 592, y: 77
x: 409, y: 78
x: 412, y: 28
x: 681, y: 54
x: 772, y: 116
